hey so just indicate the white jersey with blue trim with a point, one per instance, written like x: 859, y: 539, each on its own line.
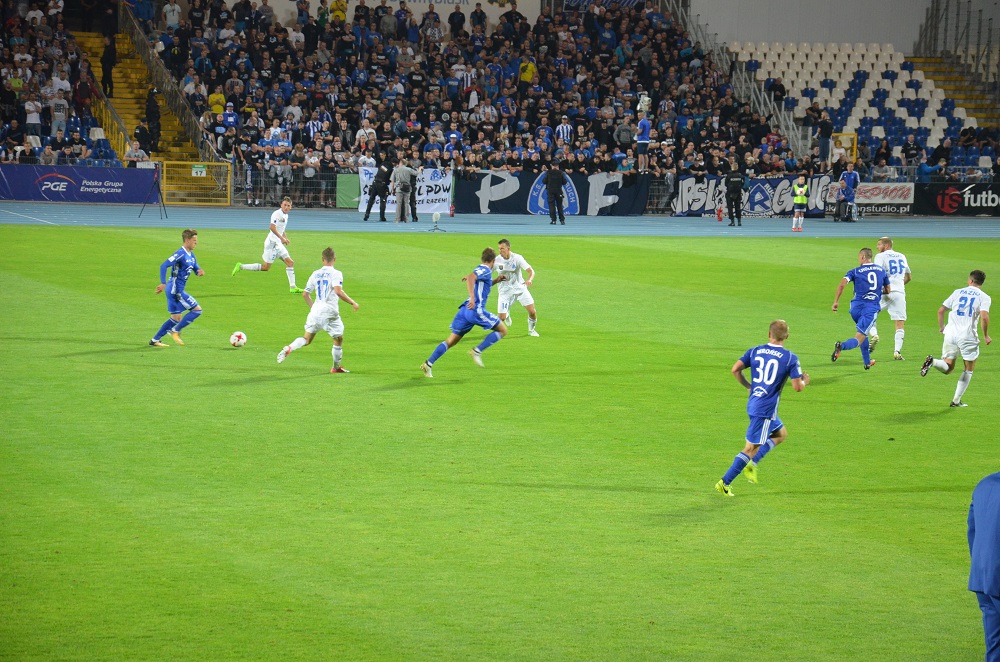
x: 965, y: 304
x: 280, y: 220
x: 322, y: 282
x: 896, y: 266
x: 513, y: 268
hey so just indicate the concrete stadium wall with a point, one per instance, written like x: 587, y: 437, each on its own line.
x: 896, y: 22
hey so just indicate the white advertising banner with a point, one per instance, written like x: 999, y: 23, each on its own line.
x: 433, y: 191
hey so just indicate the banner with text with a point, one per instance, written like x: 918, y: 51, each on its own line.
x: 957, y: 199
x: 876, y: 198
x: 433, y: 191
x: 601, y: 194
x: 78, y: 184
x: 764, y: 197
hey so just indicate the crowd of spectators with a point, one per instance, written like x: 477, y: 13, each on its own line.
x: 909, y: 161
x: 47, y: 84
x: 349, y: 86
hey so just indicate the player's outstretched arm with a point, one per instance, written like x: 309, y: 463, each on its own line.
x: 799, y: 383
x: 346, y: 299
x: 530, y: 278
x: 840, y: 291
x: 941, y: 313
x: 499, y: 279
x: 738, y: 369
x: 984, y: 321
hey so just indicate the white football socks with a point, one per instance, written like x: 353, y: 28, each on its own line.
x: 940, y: 365
x: 290, y: 272
x: 899, y: 340
x: 338, y: 354
x: 963, y: 383
x: 531, y: 324
x: 298, y: 343
x: 250, y: 267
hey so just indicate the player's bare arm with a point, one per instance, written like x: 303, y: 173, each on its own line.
x: 281, y: 237
x: 200, y: 272
x: 346, y: 299
x: 309, y: 301
x: 470, y: 283
x: 942, y: 311
x: 906, y: 278
x: 738, y: 369
x: 160, y: 288
x: 531, y: 277
x: 799, y: 383
x: 499, y: 279
x: 840, y: 291
x: 984, y: 322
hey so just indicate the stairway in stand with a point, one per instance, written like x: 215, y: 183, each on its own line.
x: 132, y: 83
x: 952, y: 77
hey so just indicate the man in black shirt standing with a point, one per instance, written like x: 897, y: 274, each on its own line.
x: 734, y: 193
x: 379, y: 188
x: 554, y: 179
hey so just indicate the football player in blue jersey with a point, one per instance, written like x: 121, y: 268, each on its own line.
x: 870, y: 283
x: 771, y: 365
x: 181, y: 265
x: 473, y: 313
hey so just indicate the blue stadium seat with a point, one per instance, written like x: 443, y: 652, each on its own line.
x: 809, y: 93
x: 889, y: 74
x: 791, y: 103
x: 768, y: 83
x: 116, y: 163
x: 829, y: 84
x: 907, y: 66
x: 913, y: 84
x: 753, y: 65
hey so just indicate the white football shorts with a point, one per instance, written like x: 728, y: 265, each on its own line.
x: 325, y: 318
x: 967, y: 347
x: 895, y: 303
x: 274, y: 250
x: 507, y: 299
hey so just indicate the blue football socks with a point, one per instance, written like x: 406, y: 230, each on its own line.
x: 865, y: 351
x: 851, y: 343
x: 488, y: 341
x: 438, y: 353
x: 763, y: 450
x: 739, y: 464
x: 165, y: 329
x: 186, y: 320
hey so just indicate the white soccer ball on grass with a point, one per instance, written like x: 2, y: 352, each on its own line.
x: 238, y: 339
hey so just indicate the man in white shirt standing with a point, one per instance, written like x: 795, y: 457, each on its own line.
x: 274, y: 247
x: 515, y: 286
x: 894, y: 263
x: 967, y: 305
x: 324, y: 313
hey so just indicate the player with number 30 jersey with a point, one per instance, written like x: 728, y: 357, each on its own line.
x: 771, y: 366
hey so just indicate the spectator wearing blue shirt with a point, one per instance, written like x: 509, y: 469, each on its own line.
x: 926, y: 171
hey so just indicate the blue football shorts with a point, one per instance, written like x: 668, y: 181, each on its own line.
x: 864, y: 317
x: 180, y: 303
x: 465, y: 320
x: 760, y: 429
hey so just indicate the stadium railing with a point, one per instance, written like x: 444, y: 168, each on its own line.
x: 164, y: 82
x: 744, y: 85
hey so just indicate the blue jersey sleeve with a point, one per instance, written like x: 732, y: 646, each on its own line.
x: 885, y: 278
x: 794, y: 367
x: 850, y: 275
x: 747, y: 356
x: 177, y: 256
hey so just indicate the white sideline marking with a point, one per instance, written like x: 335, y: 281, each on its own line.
x: 34, y: 218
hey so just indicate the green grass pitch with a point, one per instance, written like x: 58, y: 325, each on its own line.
x: 203, y: 502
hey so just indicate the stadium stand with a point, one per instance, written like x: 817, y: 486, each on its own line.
x: 49, y: 100
x: 887, y: 100
x: 365, y: 83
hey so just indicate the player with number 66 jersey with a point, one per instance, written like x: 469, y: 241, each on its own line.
x: 896, y: 265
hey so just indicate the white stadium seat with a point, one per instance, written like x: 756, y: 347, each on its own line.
x: 985, y: 162
x: 832, y: 48
x: 878, y: 132
x: 897, y: 151
x: 735, y: 47
x: 972, y: 121
x: 874, y: 48
x: 960, y: 113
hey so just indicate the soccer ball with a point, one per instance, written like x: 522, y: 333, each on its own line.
x: 436, y: 216
x: 238, y: 339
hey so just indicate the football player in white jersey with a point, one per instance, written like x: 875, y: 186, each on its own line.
x: 967, y: 305
x: 515, y: 287
x: 894, y: 263
x: 324, y: 313
x: 274, y: 247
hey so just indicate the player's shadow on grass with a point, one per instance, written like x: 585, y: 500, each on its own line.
x: 571, y: 487
x: 917, y: 416
x: 832, y: 379
x: 419, y: 382
x: 256, y: 378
